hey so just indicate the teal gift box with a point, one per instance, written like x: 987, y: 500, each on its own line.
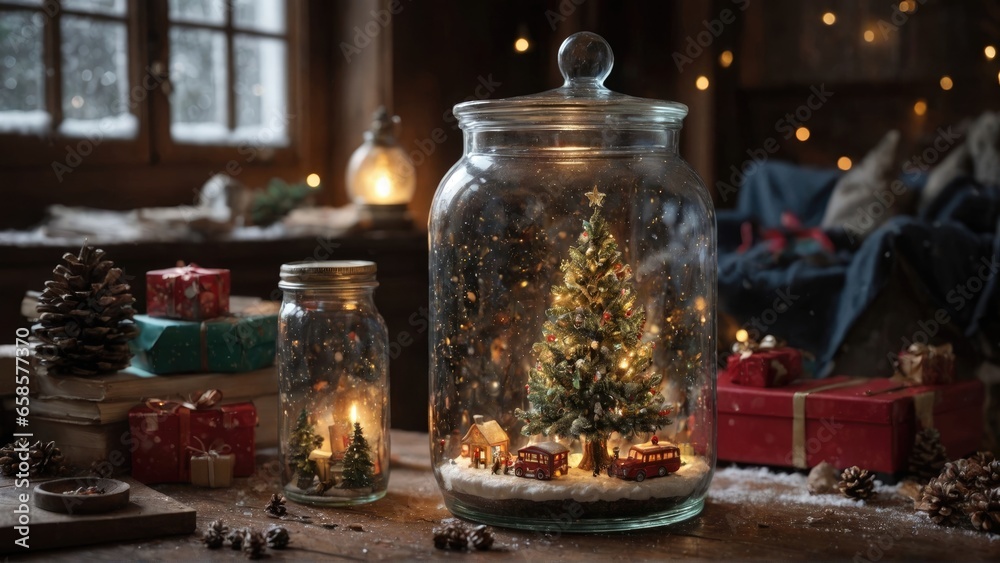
x: 223, y: 344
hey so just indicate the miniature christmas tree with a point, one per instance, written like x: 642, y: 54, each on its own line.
x: 592, y: 377
x: 358, y: 466
x: 300, y: 446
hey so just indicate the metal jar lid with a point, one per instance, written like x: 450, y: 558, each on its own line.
x: 327, y: 274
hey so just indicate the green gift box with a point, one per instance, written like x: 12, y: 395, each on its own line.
x: 222, y: 344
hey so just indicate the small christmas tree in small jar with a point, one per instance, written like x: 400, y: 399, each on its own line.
x: 333, y: 366
x: 303, y: 442
x: 358, y: 466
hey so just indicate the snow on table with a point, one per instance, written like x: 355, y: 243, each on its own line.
x: 578, y: 484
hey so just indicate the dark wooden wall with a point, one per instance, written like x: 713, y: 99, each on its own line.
x: 784, y: 51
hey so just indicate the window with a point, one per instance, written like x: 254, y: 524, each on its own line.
x: 84, y: 44
x: 204, y: 72
x: 228, y: 72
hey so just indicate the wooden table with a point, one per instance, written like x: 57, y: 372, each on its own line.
x: 750, y: 514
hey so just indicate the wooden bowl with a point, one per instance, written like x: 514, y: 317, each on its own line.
x: 52, y: 496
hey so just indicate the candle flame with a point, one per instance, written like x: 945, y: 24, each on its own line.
x: 354, y: 413
x: 383, y: 186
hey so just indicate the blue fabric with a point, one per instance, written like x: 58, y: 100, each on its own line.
x: 813, y: 301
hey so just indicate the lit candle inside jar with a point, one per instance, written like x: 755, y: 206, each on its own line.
x: 354, y: 419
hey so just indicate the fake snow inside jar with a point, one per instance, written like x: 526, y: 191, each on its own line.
x: 573, y: 290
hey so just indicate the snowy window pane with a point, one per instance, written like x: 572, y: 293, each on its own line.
x: 261, y: 98
x: 22, y: 73
x: 111, y: 7
x: 198, y: 104
x: 95, y: 78
x: 198, y: 11
x: 259, y: 15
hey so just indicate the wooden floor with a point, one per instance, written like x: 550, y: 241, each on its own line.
x: 750, y: 514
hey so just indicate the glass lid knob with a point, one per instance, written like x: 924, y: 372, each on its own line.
x: 585, y: 58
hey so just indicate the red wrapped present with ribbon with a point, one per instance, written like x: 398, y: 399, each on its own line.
x: 187, y: 292
x: 212, y: 466
x: 923, y: 364
x: 163, y: 433
x: 769, y: 363
x: 868, y: 422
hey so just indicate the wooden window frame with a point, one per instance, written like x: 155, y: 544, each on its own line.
x: 52, y: 147
x: 242, y: 154
x: 147, y: 28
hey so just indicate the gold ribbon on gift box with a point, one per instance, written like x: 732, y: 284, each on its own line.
x: 746, y: 348
x: 910, y: 367
x: 923, y: 405
x: 212, y: 453
x: 198, y: 401
x: 162, y: 407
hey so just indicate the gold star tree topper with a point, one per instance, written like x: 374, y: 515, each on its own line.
x: 596, y: 198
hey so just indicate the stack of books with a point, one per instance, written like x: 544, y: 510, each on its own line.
x: 88, y: 416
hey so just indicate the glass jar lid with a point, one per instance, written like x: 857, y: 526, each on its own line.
x: 327, y: 274
x: 585, y: 61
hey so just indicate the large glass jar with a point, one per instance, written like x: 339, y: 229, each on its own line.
x: 333, y: 370
x: 573, y: 289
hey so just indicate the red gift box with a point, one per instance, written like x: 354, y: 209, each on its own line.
x: 765, y: 368
x: 187, y: 292
x: 164, y: 439
x: 845, y: 421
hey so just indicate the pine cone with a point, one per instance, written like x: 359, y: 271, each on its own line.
x: 8, y: 460
x: 215, y: 535
x: 857, y: 483
x: 235, y: 537
x: 85, y: 317
x: 942, y: 500
x: 984, y: 510
x: 254, y: 544
x: 452, y: 536
x: 277, y: 537
x: 990, y: 476
x: 963, y: 472
x: 928, y: 456
x: 44, y: 459
x: 276, y: 506
x: 983, y: 457
x: 481, y: 538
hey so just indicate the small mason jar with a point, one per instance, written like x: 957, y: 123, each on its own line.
x: 333, y: 369
x: 572, y: 329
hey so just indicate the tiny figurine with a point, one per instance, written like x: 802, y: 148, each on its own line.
x: 485, y: 441
x: 647, y: 460
x: 542, y: 461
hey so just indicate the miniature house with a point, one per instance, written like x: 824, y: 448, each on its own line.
x: 485, y: 441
